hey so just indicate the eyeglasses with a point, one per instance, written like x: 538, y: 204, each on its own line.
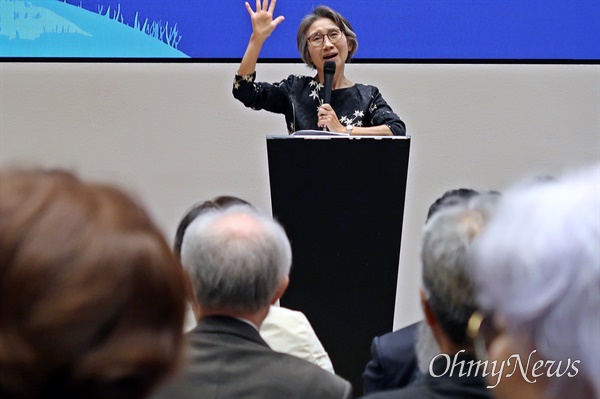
x: 483, y: 332
x: 317, y: 39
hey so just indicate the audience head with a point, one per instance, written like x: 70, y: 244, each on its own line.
x: 450, y: 197
x: 222, y: 201
x: 426, y: 346
x: 448, y: 287
x: 538, y: 273
x: 238, y: 260
x: 91, y: 298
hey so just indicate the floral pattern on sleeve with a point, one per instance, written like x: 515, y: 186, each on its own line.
x: 299, y: 98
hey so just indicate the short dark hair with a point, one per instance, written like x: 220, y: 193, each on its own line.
x: 451, y: 197
x: 222, y: 201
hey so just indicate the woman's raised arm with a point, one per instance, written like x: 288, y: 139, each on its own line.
x: 263, y: 25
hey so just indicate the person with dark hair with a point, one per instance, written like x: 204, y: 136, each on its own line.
x: 92, y: 299
x: 222, y: 201
x: 448, y: 300
x: 323, y: 35
x: 394, y: 362
x: 284, y: 330
x: 451, y: 197
x: 238, y: 262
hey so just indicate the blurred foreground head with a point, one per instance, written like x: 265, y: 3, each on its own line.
x: 538, y: 273
x: 91, y: 298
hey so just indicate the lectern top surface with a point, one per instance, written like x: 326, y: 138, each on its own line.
x: 324, y: 137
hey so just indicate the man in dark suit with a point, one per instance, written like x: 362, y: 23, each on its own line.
x: 239, y: 262
x: 394, y: 362
x: 448, y: 301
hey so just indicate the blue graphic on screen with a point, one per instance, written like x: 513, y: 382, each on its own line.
x: 219, y: 30
x: 51, y: 28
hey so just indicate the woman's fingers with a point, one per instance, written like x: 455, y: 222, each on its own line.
x: 264, y: 9
x: 250, y: 11
x: 326, y: 116
x: 326, y: 107
x: 324, y: 120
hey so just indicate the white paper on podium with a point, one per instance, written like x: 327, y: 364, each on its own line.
x: 317, y: 133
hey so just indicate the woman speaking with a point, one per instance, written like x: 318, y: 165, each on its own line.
x: 323, y: 35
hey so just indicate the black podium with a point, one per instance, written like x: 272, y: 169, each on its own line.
x: 341, y: 202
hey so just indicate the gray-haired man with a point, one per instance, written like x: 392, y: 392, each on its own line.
x: 448, y: 300
x: 238, y: 261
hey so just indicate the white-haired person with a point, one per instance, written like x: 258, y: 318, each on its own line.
x: 448, y: 299
x: 284, y: 330
x: 402, y: 357
x: 538, y: 274
x: 239, y: 262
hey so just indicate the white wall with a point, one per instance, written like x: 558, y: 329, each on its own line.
x: 174, y: 134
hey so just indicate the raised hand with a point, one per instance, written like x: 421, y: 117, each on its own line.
x: 263, y: 23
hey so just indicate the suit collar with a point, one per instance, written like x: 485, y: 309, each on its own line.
x: 228, y: 325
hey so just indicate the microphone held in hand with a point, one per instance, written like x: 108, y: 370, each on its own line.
x: 328, y: 72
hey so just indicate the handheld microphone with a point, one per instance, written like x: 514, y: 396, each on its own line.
x: 328, y: 72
